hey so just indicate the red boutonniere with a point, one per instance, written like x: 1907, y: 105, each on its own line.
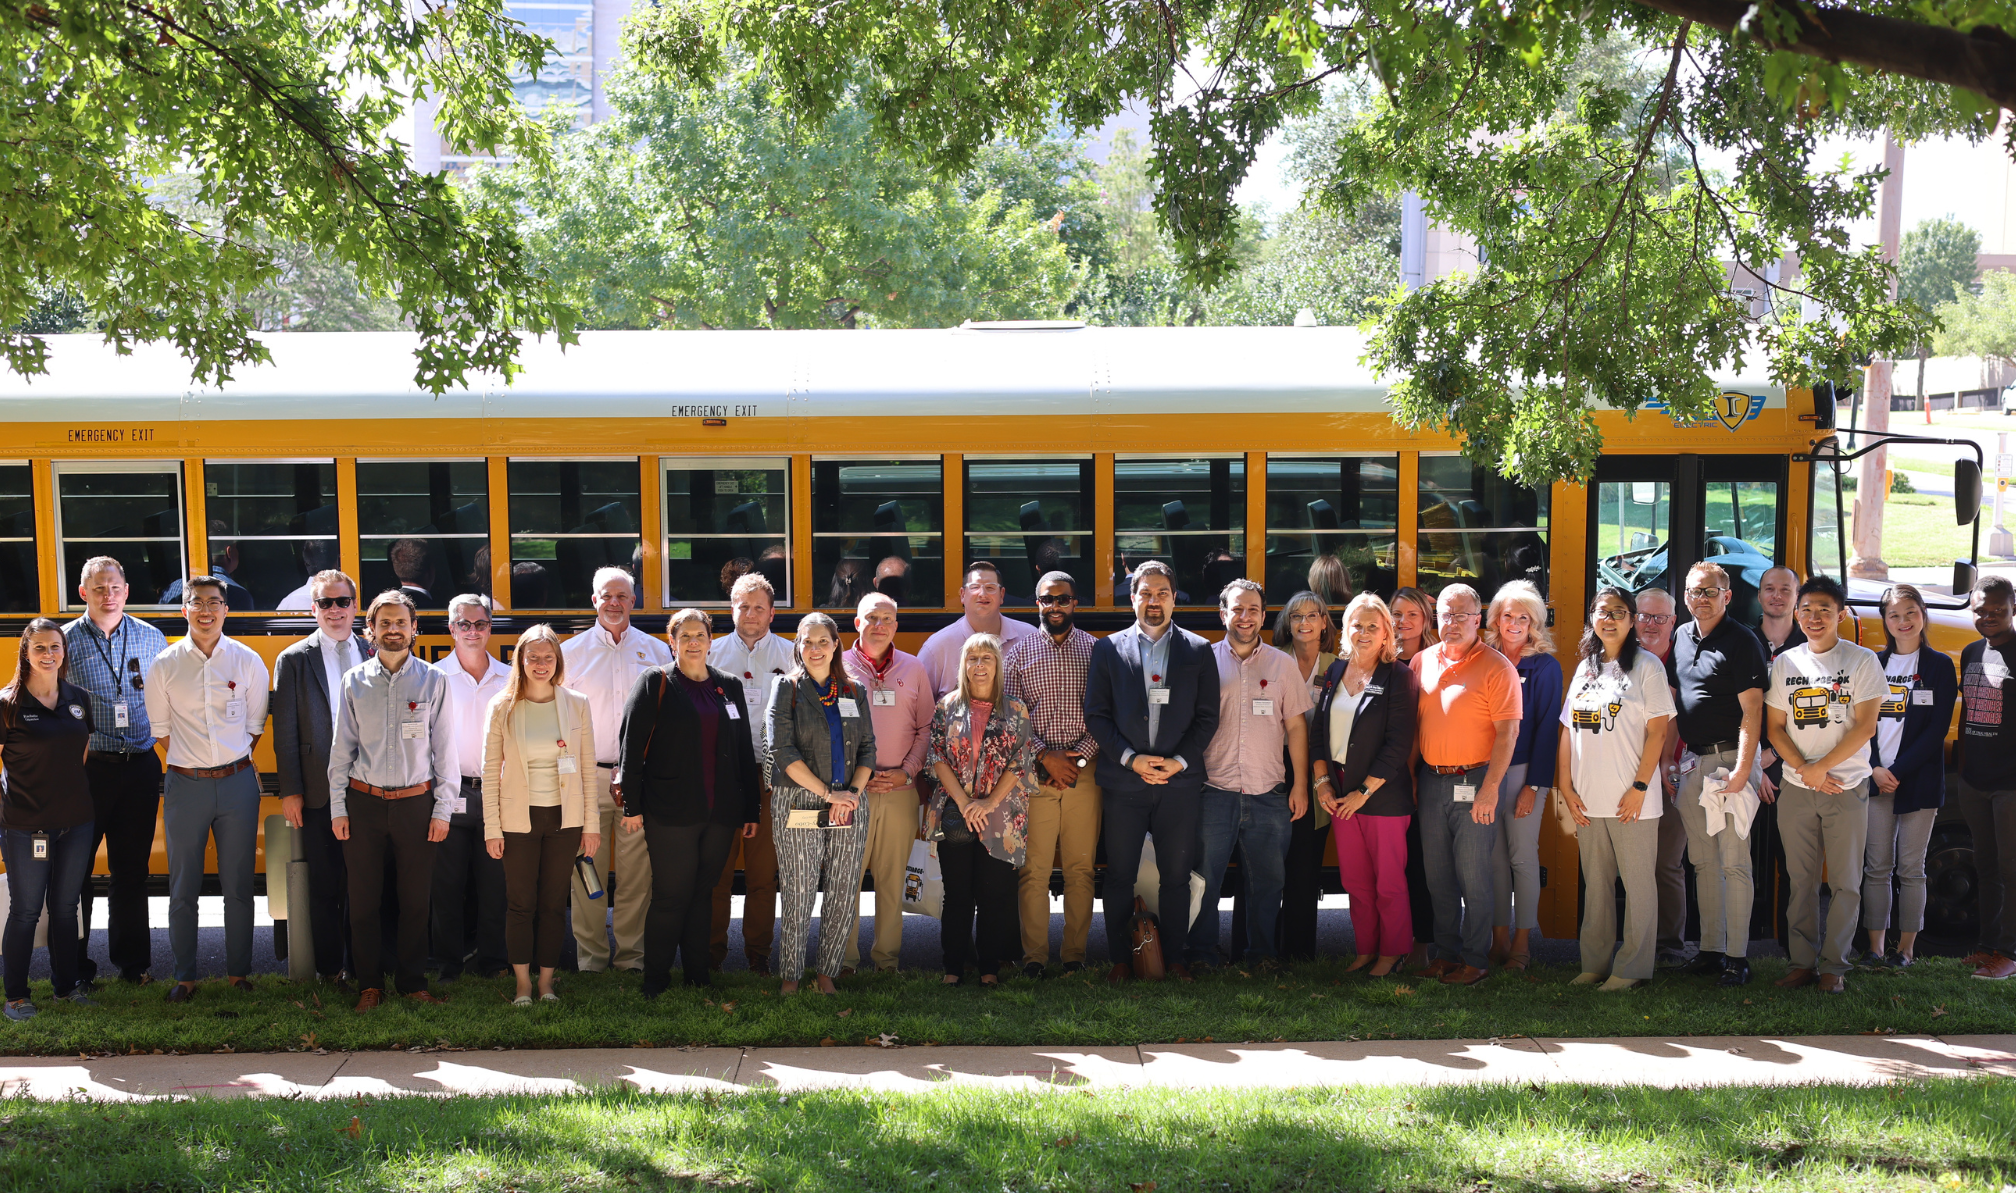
x: 1263, y: 685
x: 563, y: 743
x: 412, y: 706
x: 230, y: 685
x: 748, y: 675
x: 1153, y: 678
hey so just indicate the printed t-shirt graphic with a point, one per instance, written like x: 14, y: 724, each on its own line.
x: 1818, y: 692
x: 1606, y: 712
x: 1902, y: 673
x: 1986, y: 735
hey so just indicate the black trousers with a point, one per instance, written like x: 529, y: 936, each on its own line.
x: 686, y: 860
x: 976, y: 880
x: 125, y: 803
x: 1768, y: 874
x: 1175, y: 817
x: 1419, y: 904
x: 328, y: 895
x: 465, y: 873
x: 390, y: 836
x: 538, y: 870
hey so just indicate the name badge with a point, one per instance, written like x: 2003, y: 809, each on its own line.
x: 567, y: 765
x: 884, y: 698
x: 461, y: 805
x: 849, y: 708
x: 234, y: 710
x: 1921, y: 696
x: 1373, y: 689
x: 121, y: 719
x: 1158, y: 695
x: 412, y: 730
x: 1463, y: 793
x: 1263, y: 708
x: 803, y: 818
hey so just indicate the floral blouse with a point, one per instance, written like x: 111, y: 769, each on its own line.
x: 1006, y: 745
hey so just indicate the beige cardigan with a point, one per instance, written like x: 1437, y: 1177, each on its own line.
x: 507, y: 792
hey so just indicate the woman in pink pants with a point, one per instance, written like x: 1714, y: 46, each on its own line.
x: 1361, y: 740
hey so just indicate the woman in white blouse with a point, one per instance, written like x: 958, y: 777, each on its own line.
x: 1615, y: 720
x: 539, y: 748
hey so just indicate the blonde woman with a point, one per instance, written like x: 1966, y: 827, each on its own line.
x: 1516, y: 627
x: 983, y: 754
x: 822, y: 754
x: 539, y: 744
x: 1415, y: 630
x: 1413, y: 622
x: 1305, y: 630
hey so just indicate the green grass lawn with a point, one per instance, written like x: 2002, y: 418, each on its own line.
x: 1918, y: 531
x: 1311, y: 1002
x: 1932, y: 1135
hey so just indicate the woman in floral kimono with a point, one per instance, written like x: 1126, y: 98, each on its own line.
x: 983, y: 754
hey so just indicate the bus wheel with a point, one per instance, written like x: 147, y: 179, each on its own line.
x: 1951, y: 908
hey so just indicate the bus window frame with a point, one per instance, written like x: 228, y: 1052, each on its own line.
x: 58, y: 469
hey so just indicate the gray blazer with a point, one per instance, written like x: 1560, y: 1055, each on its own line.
x: 798, y: 729
x: 303, y: 720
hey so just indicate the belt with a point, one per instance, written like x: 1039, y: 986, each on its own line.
x: 1457, y: 770
x: 123, y: 755
x: 1715, y: 747
x: 472, y: 780
x: 212, y: 772
x: 391, y: 792
x: 605, y: 766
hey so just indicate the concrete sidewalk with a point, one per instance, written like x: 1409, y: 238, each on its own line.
x: 1669, y: 1062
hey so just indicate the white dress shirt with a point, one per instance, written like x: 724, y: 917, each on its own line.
x: 940, y: 654
x: 758, y: 670
x: 337, y: 659
x: 472, y: 709
x: 211, y: 708
x: 604, y: 669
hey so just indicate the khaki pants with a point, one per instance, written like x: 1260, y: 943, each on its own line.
x: 1831, y: 830
x: 631, y: 898
x: 893, y: 818
x: 756, y: 857
x: 1063, y: 825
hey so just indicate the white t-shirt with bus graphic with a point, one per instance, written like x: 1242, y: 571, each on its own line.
x: 1901, y: 674
x: 1605, y: 715
x: 1818, y: 693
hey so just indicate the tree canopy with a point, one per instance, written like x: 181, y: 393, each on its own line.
x: 1982, y: 324
x: 1606, y: 204
x: 281, y: 114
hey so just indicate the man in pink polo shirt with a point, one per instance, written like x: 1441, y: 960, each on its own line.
x: 899, y: 707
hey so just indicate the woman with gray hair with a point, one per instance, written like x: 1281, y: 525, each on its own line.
x: 1304, y: 629
x: 822, y: 753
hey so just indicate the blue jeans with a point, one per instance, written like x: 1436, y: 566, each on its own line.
x: 1457, y: 856
x: 192, y: 810
x: 1258, y: 827
x: 58, y: 881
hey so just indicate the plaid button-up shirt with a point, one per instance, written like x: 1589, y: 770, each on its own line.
x: 1049, y: 679
x: 104, y: 667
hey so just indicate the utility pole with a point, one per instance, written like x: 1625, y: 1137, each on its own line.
x: 1872, y: 471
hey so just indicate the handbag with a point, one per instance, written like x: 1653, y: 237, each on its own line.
x: 923, y: 882
x: 1147, y: 932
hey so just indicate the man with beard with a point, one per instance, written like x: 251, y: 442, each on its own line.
x: 900, y: 708
x: 1151, y: 702
x: 757, y: 657
x: 393, y: 779
x: 1047, y: 673
x: 981, y: 598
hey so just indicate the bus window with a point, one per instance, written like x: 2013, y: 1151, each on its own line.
x: 1188, y: 513
x: 1633, y: 521
x: 569, y: 518
x: 1478, y: 528
x: 1825, y: 546
x: 20, y: 568
x: 724, y: 518
x: 1345, y: 507
x: 272, y: 525
x: 131, y: 511
x: 878, y: 525
x: 1029, y: 517
x: 424, y: 528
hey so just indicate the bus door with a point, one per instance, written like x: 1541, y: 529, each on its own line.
x: 1653, y: 517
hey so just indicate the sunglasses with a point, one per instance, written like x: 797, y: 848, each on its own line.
x: 334, y: 602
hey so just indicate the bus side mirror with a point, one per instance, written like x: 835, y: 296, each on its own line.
x: 1963, y: 577
x: 1966, y: 491
x: 1825, y: 403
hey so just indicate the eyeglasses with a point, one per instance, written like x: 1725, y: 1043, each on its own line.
x: 334, y: 602
x: 1702, y: 594
x: 1053, y: 602
x: 1613, y: 615
x: 212, y: 605
x: 1459, y: 618
x: 1655, y: 618
x: 464, y: 627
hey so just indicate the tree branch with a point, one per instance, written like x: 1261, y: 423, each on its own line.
x: 1983, y: 60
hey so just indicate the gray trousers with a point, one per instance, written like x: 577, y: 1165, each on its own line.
x: 1515, y: 861
x: 1611, y: 850
x: 1456, y: 859
x: 1817, y: 829
x: 1723, y: 887
x: 1669, y: 876
x: 1991, y: 819
x: 804, y: 857
x: 1896, y: 846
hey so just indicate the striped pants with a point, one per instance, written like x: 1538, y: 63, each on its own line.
x: 804, y: 857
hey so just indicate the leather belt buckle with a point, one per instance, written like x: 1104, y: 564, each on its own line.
x: 1457, y: 770
x: 212, y: 772
x: 390, y: 792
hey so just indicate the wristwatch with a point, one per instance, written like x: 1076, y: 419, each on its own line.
x: 1081, y: 761
x: 1639, y: 787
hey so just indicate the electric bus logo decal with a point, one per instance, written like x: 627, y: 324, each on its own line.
x: 1809, y: 706
x: 1892, y: 708
x: 1596, y: 720
x: 1728, y: 410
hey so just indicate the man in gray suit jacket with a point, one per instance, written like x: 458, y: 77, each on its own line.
x: 304, y: 722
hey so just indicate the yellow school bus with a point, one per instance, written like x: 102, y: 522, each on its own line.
x: 840, y: 462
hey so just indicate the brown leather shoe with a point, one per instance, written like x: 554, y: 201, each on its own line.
x: 1181, y: 972
x: 242, y: 984
x: 1833, y: 983
x: 369, y: 999
x: 1464, y: 975
x: 846, y: 971
x: 1436, y: 968
x: 426, y: 996
x: 1997, y: 968
x: 1120, y: 974
x: 182, y: 992
x: 1797, y: 978
x: 1978, y: 958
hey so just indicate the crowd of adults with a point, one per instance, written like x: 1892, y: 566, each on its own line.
x: 1427, y: 736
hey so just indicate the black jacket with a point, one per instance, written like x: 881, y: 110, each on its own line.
x: 1116, y: 708
x: 662, y: 777
x: 1920, y: 765
x: 1382, y: 737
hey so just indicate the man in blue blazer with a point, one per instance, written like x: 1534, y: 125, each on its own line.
x: 1151, y: 702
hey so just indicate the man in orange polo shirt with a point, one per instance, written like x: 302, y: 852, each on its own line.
x: 1468, y: 726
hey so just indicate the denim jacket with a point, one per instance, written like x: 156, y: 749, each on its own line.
x: 798, y: 729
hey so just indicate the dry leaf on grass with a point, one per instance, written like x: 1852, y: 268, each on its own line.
x: 847, y: 1012
x: 356, y: 1128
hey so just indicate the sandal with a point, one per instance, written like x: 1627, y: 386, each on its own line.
x: 953, y: 979
x: 1518, y: 961
x: 523, y: 1000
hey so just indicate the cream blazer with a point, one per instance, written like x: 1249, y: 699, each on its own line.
x: 507, y: 793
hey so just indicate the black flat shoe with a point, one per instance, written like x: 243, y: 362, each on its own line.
x: 1034, y: 971
x: 1071, y: 967
x: 1707, y: 965
x: 1735, y: 972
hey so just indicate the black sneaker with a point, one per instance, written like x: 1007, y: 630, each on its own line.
x: 1735, y: 972
x: 1071, y: 967
x: 1034, y: 971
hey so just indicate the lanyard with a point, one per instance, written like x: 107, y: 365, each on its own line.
x: 119, y: 672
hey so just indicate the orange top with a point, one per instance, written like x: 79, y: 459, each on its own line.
x: 1461, y: 701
